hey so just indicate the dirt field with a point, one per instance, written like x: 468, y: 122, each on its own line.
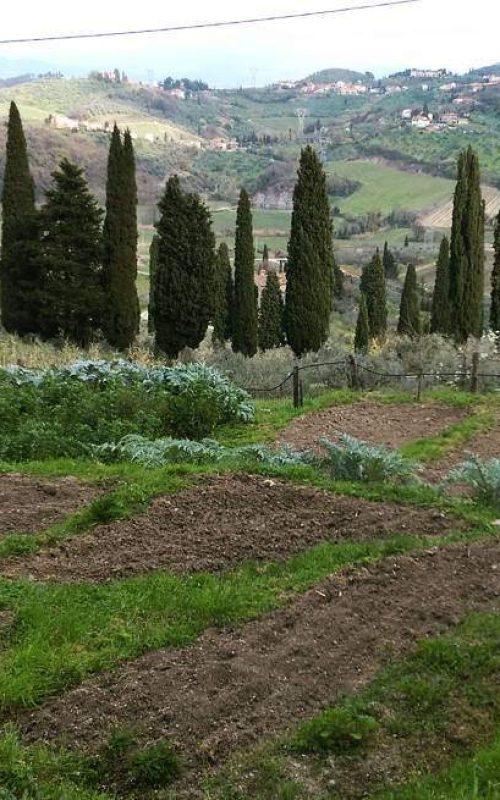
x: 234, y: 687
x: 220, y: 523
x: 28, y: 505
x: 389, y: 425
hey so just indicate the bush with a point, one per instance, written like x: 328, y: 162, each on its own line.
x: 352, y: 460
x: 482, y: 476
x: 336, y: 730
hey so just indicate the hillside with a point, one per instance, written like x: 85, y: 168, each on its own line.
x: 338, y: 74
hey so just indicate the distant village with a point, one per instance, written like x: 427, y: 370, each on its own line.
x: 459, y: 97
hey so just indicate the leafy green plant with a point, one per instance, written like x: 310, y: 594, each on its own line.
x: 353, y: 460
x: 336, y: 730
x: 482, y: 476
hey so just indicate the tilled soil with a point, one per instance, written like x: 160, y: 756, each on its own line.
x: 485, y: 445
x: 219, y: 523
x: 28, y: 505
x: 376, y: 423
x: 232, y: 688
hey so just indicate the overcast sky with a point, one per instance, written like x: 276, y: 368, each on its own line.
x: 458, y: 34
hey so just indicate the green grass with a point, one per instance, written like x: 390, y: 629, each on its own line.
x: 406, y: 718
x: 385, y: 188
x: 434, y: 448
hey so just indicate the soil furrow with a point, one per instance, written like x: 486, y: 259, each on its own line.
x: 234, y: 687
x: 220, y: 523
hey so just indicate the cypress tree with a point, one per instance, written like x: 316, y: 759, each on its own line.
x: 310, y: 265
x: 71, y: 257
x: 441, y: 311
x: 373, y: 287
x: 20, y: 276
x: 271, y: 314
x: 495, y: 282
x: 467, y: 251
x: 223, y: 295
x: 265, y: 256
x: 185, y: 271
x: 245, y: 295
x: 337, y: 281
x: 409, y: 311
x: 389, y: 262
x: 121, y: 313
x: 362, y: 335
x: 153, y: 266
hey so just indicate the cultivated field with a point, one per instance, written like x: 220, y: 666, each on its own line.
x: 257, y: 627
x: 441, y: 217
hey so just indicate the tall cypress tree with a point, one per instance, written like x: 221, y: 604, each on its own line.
x: 441, y: 311
x: 185, y: 271
x: 245, y: 295
x: 362, y: 335
x: 223, y: 295
x: 467, y: 251
x: 390, y: 264
x: 495, y: 282
x: 153, y: 266
x: 271, y: 314
x: 409, y: 310
x: 20, y: 290
x: 71, y: 257
x: 310, y: 265
x: 121, y: 312
x: 373, y: 287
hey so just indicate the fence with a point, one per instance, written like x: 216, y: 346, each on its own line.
x: 350, y: 372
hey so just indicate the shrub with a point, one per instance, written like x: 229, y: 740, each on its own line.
x: 352, y: 460
x: 336, y: 730
x: 482, y: 476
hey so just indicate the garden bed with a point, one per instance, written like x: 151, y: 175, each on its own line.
x: 220, y: 523
x: 375, y: 423
x: 232, y: 688
x: 29, y: 505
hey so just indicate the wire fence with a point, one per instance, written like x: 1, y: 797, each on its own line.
x: 351, y: 372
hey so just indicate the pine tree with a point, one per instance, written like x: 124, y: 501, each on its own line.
x: 362, y: 336
x: 495, y: 282
x: 390, y: 264
x: 185, y: 272
x: 121, y: 312
x: 310, y: 265
x: 407, y: 241
x: 467, y: 251
x: 373, y: 287
x: 409, y: 310
x: 71, y: 257
x: 441, y: 311
x: 20, y: 263
x: 271, y: 315
x: 245, y: 295
x: 153, y: 267
x: 223, y: 295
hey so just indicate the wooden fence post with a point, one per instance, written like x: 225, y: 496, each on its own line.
x: 474, y: 381
x: 419, y: 386
x: 296, y: 388
x: 353, y: 371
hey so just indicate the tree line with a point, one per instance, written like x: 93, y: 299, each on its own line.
x: 69, y: 269
x: 457, y: 308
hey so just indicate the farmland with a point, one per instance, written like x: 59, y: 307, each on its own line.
x: 214, y: 620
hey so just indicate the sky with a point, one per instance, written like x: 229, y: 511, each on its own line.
x: 457, y: 34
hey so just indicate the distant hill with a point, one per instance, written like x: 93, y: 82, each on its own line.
x: 334, y: 74
x: 494, y: 69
